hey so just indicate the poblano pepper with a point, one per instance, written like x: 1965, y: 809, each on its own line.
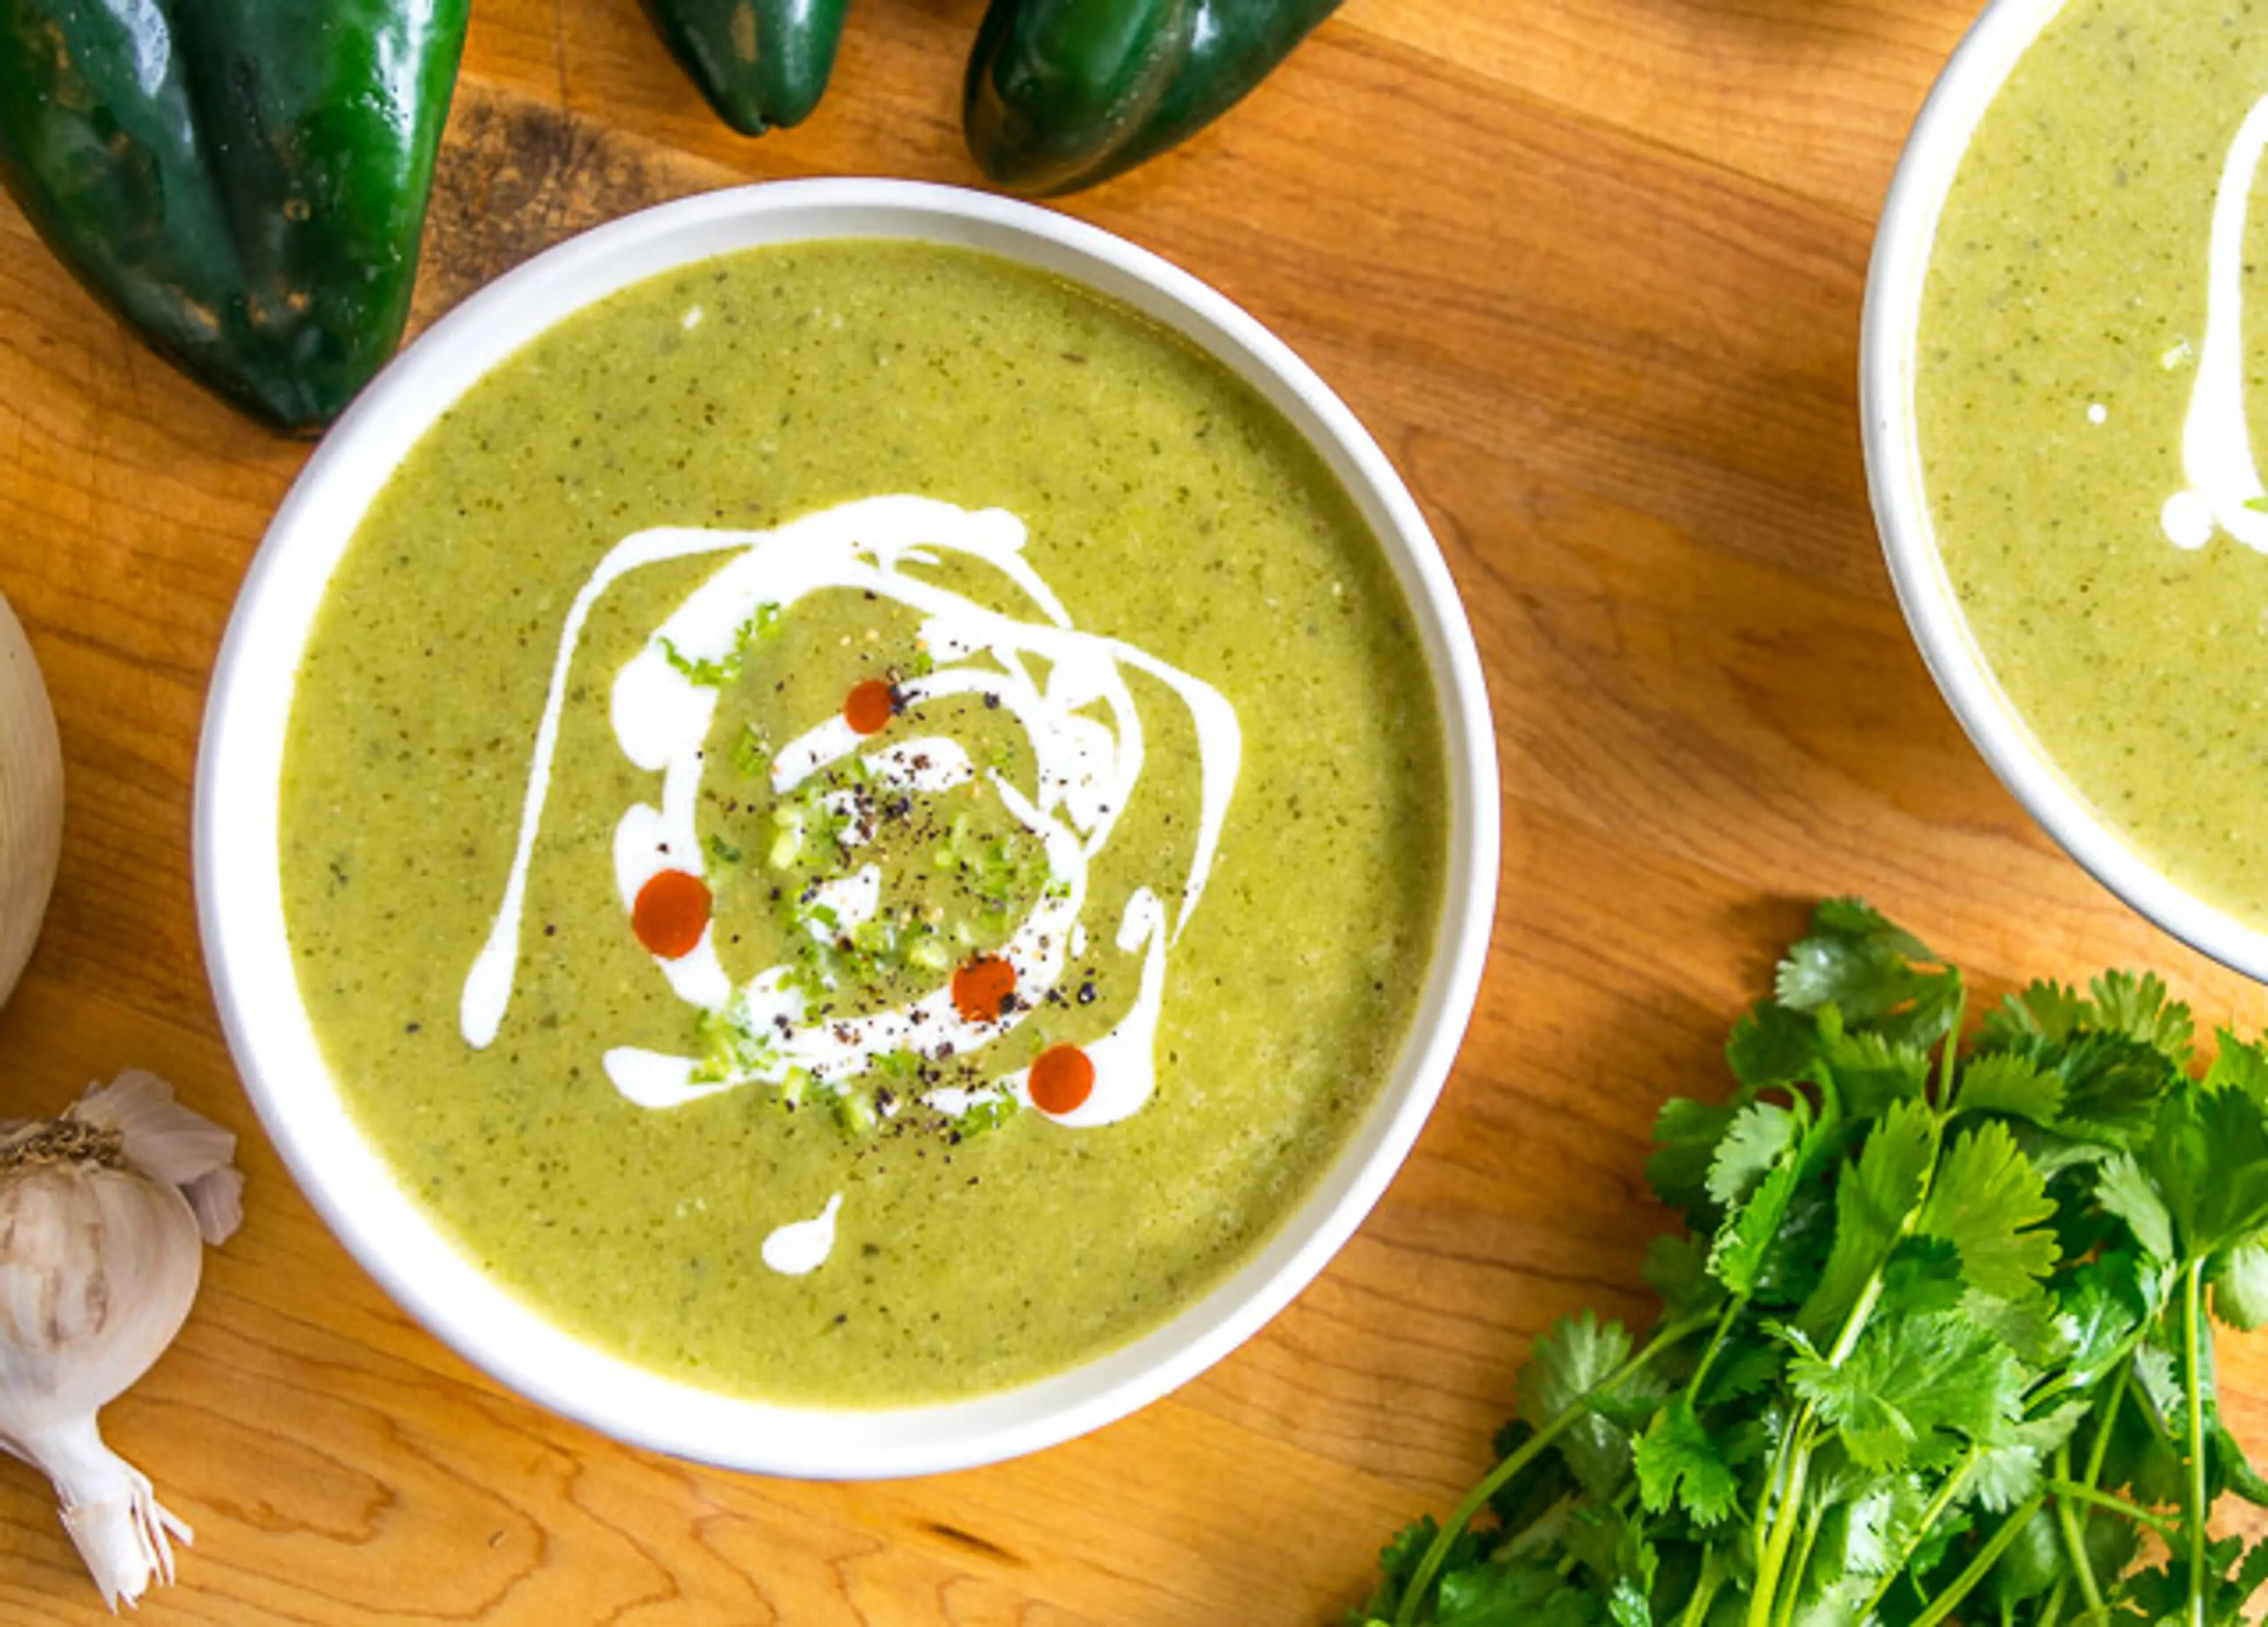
x: 1064, y: 94
x: 760, y: 63
x: 245, y: 181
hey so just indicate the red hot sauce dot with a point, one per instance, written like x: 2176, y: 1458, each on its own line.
x: 869, y: 706
x: 982, y: 987
x: 1062, y: 1078
x: 671, y: 913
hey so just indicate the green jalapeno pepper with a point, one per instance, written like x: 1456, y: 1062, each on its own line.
x: 1064, y: 94
x: 760, y: 63
x: 244, y: 181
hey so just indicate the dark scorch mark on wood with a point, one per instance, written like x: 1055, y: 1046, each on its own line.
x: 973, y: 1542
x: 516, y: 176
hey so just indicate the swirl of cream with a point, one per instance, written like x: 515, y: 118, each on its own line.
x: 2224, y: 489
x: 1087, y: 771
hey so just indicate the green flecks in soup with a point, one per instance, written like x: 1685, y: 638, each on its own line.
x: 969, y: 871
x: 2098, y: 545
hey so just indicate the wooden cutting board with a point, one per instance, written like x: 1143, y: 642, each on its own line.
x: 1590, y: 269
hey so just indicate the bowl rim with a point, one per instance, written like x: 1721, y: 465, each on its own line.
x: 1897, y: 273
x: 235, y: 824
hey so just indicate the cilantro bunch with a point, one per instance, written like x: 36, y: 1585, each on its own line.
x: 1936, y: 1346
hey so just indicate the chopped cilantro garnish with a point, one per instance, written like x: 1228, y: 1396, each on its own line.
x: 730, y: 1046
x: 723, y: 851
x: 854, y: 1112
x: 981, y: 1118
x: 714, y: 674
x: 717, y: 674
x: 787, y: 842
x: 750, y: 753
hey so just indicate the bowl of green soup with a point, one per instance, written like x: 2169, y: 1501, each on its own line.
x: 2056, y: 385
x: 846, y: 827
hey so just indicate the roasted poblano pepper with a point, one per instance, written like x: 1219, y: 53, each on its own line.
x: 760, y: 63
x: 245, y: 181
x: 1064, y: 94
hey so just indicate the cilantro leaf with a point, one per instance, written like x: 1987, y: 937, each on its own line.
x: 2239, y: 1285
x: 2240, y: 1065
x: 2007, y: 1466
x: 1744, y: 1242
x: 2101, y: 1303
x: 1620, y: 1559
x: 2112, y: 1084
x: 1575, y: 1356
x: 2139, y: 1007
x: 1866, y: 1532
x: 1678, y: 1464
x: 1914, y: 1389
x: 1686, y: 1134
x: 1509, y: 1595
x: 2158, y: 1372
x: 1872, y: 1204
x: 1989, y: 1203
x: 1871, y: 1070
x: 1677, y: 1269
x: 2209, y: 1158
x: 1771, y: 1045
x: 2042, y: 1011
x: 1873, y: 971
x: 1760, y: 1136
x: 2031, y: 1565
x: 2012, y: 1084
x: 2124, y: 1190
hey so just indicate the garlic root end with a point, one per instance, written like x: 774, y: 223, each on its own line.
x: 122, y: 1531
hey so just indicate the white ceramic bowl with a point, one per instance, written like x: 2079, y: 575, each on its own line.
x: 240, y: 888
x: 1894, y: 283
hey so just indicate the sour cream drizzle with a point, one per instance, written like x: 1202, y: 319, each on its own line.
x: 1087, y: 771
x: 802, y: 1247
x: 2217, y: 459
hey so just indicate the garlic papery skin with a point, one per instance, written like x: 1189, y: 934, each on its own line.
x: 30, y: 800
x: 100, y: 1260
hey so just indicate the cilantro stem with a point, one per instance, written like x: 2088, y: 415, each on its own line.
x: 2192, y: 1312
x: 1704, y: 1588
x: 1724, y: 1320
x: 1987, y: 1557
x: 2070, y: 1519
x: 2070, y: 1491
x: 1785, y: 1516
x: 1533, y: 1446
x: 1811, y: 1524
x: 2052, y: 1612
x: 2101, y: 1449
x: 2073, y: 1520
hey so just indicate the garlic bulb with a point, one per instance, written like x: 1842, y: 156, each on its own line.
x: 30, y: 800
x: 104, y: 1216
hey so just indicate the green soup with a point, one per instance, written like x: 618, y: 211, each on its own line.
x: 2103, y: 549
x: 990, y: 843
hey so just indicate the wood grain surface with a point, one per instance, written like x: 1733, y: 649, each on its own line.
x: 1590, y: 269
